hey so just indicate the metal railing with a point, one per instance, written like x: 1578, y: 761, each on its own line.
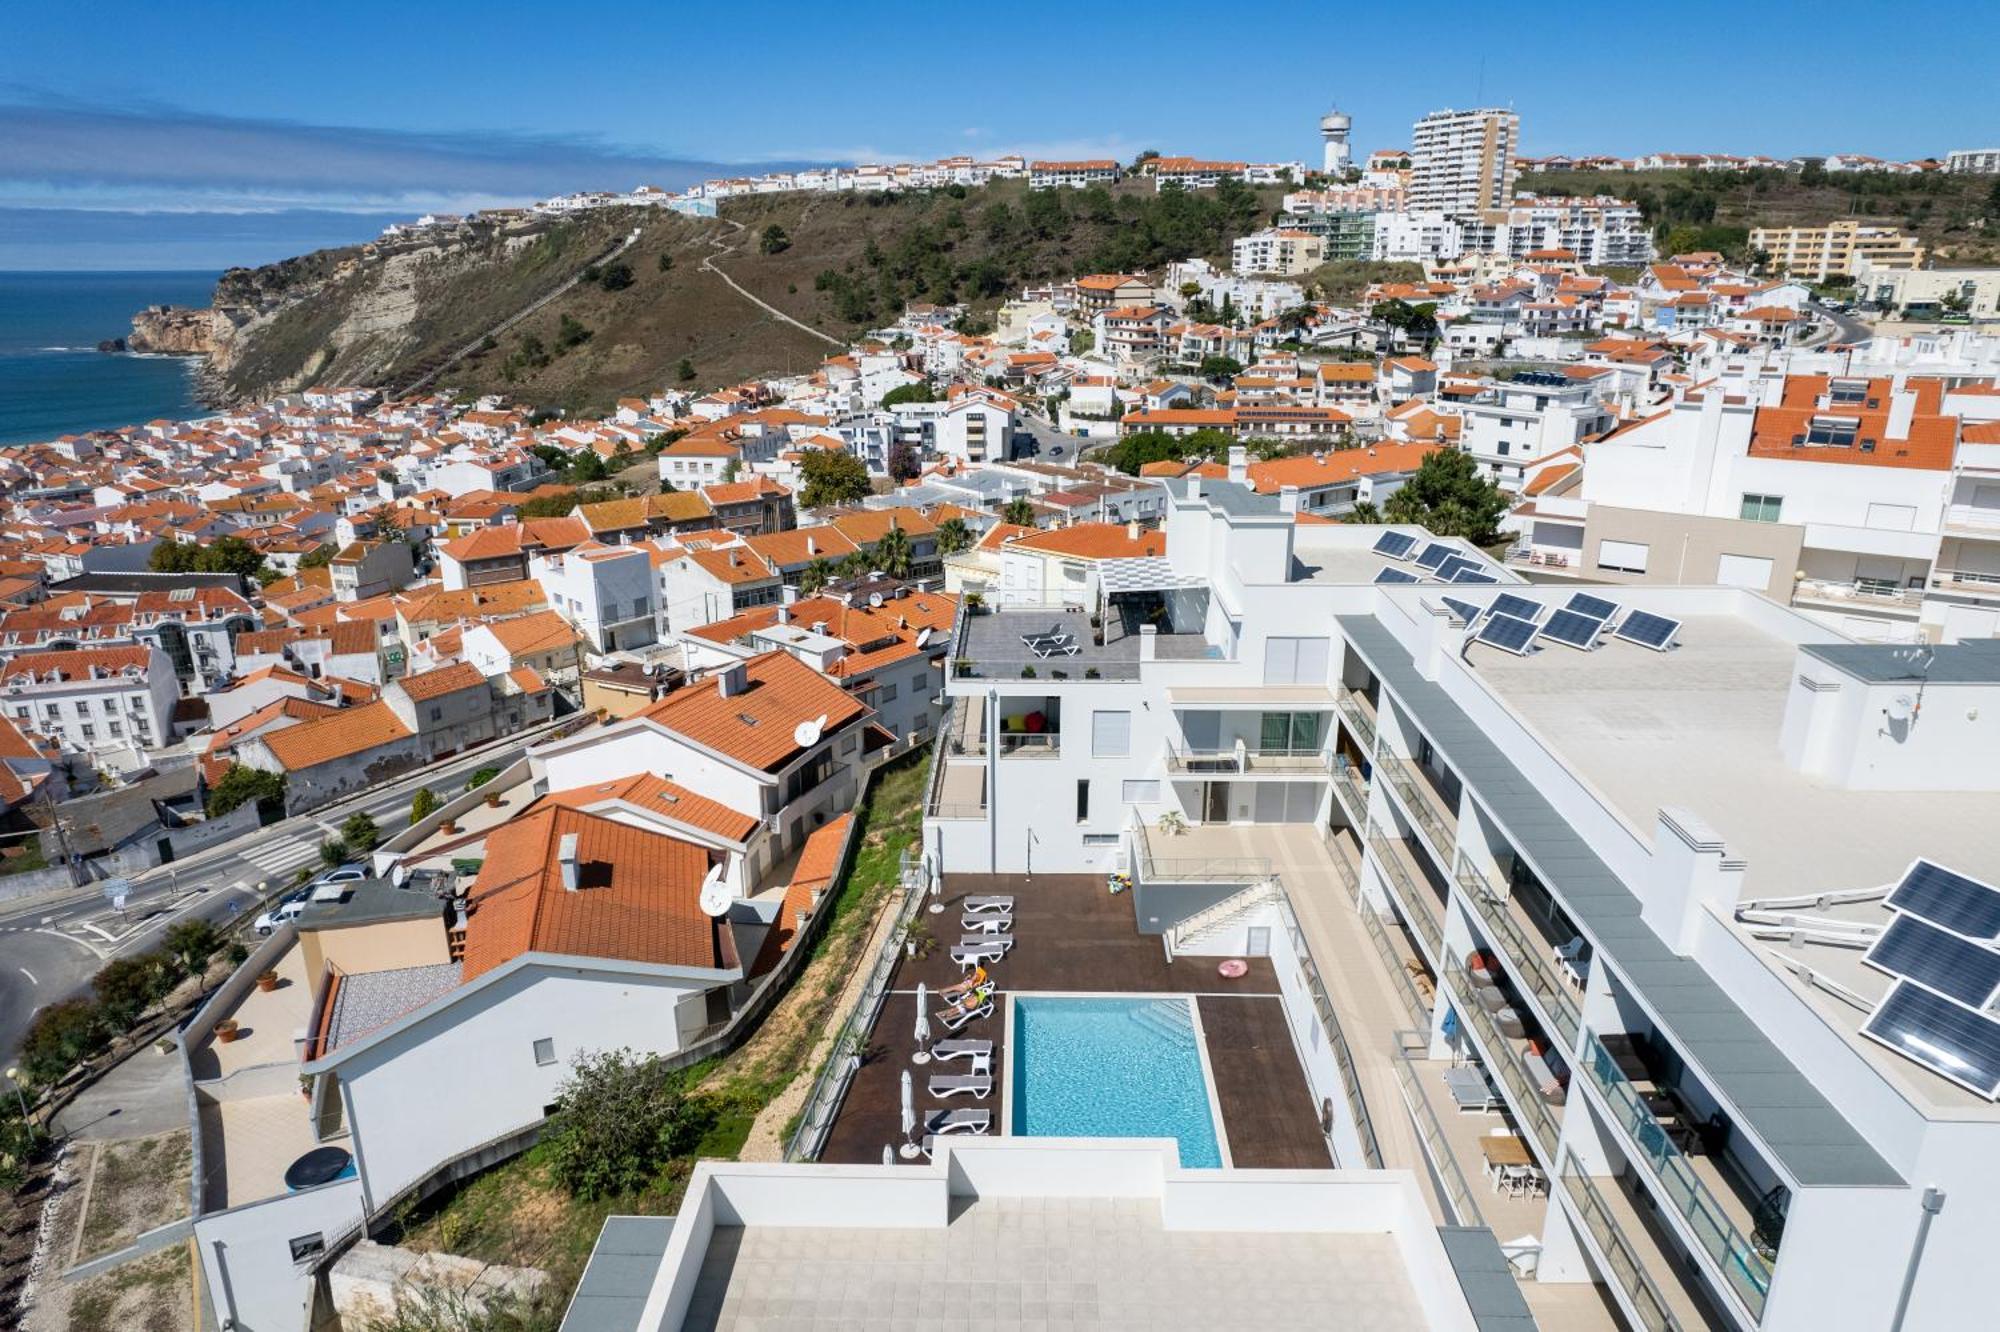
x: 1200, y: 869
x: 1966, y: 580
x: 1348, y: 870
x: 1619, y: 1255
x: 1329, y: 1022
x: 1234, y: 904
x: 1865, y: 591
x: 1743, y: 1269
x: 1455, y: 1193
x: 1440, y: 829
x: 1419, y: 903
x: 844, y: 1060
x: 1353, y: 706
x: 1244, y: 760
x: 1502, y: 1058
x: 1353, y: 791
x: 1392, y: 962
x: 1530, y: 968
x: 1038, y: 744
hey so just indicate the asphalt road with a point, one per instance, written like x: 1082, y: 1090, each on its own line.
x: 1846, y: 327
x: 51, y: 947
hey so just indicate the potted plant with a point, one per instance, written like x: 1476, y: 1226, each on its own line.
x: 975, y: 602
x: 1172, y: 824
x: 1092, y: 673
x: 963, y: 667
x: 448, y: 827
x: 918, y: 941
x: 1027, y: 672
x: 267, y: 981
x: 225, y: 1030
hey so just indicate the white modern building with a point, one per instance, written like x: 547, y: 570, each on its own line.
x: 94, y: 701
x: 1643, y: 877
x: 1463, y: 161
x: 607, y: 593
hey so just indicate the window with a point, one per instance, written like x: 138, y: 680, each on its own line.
x: 1295, y: 660
x: 1100, y: 839
x: 1751, y: 571
x: 886, y: 694
x: 545, y: 1051
x: 305, y: 1248
x: 1082, y: 801
x: 1297, y: 732
x: 1140, y: 791
x: 1762, y: 508
x: 1623, y: 556
x: 437, y: 714
x: 1110, y: 735
x: 1833, y: 431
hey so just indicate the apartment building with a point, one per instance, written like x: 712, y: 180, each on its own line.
x: 1836, y: 249
x: 1973, y: 161
x: 1919, y: 293
x: 364, y: 569
x: 1612, y: 876
x: 1508, y: 425
x: 1092, y: 171
x: 94, y: 701
x: 1462, y: 162
x: 976, y: 426
x: 607, y: 594
x: 1282, y: 251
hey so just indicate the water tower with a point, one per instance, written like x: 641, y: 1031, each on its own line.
x: 1333, y: 128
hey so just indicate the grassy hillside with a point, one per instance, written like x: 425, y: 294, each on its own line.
x: 837, y: 263
x: 1957, y: 217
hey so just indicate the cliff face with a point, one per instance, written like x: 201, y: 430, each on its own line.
x: 176, y: 331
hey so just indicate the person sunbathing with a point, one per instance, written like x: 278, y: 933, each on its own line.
x: 966, y: 986
x: 967, y: 1002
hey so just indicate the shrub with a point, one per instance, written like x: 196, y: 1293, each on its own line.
x: 240, y: 785
x: 127, y: 986
x: 359, y: 834
x: 480, y: 778
x: 193, y: 942
x: 619, y: 1118
x: 332, y: 852
x: 62, y: 1036
x: 423, y: 804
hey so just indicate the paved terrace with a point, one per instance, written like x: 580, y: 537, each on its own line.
x: 1072, y: 935
x: 994, y: 648
x: 1051, y: 1262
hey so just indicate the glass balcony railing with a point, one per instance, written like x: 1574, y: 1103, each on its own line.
x: 1619, y: 1255
x: 1414, y: 1002
x: 1455, y: 1193
x: 1360, y: 715
x: 1347, y: 780
x: 1528, y: 959
x: 1504, y: 1059
x: 1743, y: 1269
x: 1424, y: 807
x: 1419, y: 903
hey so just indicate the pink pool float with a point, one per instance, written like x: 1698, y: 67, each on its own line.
x: 1234, y: 968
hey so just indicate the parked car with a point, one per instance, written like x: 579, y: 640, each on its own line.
x: 284, y: 912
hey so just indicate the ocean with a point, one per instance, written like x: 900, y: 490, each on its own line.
x: 54, y: 381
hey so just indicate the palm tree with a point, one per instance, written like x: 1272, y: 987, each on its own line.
x: 1018, y: 512
x: 857, y: 565
x: 892, y: 553
x: 815, y: 576
x: 953, y: 536
x: 1364, y: 511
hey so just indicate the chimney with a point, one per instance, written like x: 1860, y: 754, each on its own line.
x: 784, y: 614
x: 1239, y: 463
x: 787, y: 594
x: 1288, y: 499
x: 732, y: 680
x: 1902, y: 410
x: 1194, y: 485
x: 566, y: 857
x: 812, y: 546
x: 1132, y: 529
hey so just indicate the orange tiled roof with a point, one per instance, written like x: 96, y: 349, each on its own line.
x: 669, y: 800
x: 1095, y: 541
x: 637, y: 898
x: 819, y: 861
x: 1307, y: 469
x: 428, y: 685
x: 350, y: 731
x: 755, y: 727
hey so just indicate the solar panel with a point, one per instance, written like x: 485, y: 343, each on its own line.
x: 1508, y: 632
x: 1963, y: 906
x: 1453, y: 565
x: 1464, y: 610
x: 1473, y: 575
x: 1577, y: 631
x: 1519, y: 607
x: 1937, y: 960
x: 1388, y: 575
x: 1595, y: 607
x: 1649, y: 630
x: 1394, y: 544
x: 1433, y: 555
x: 1949, y: 1039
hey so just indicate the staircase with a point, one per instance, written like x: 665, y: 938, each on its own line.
x: 1188, y: 935
x: 1167, y: 1019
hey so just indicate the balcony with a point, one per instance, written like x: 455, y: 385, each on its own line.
x: 1424, y: 805
x: 1530, y: 957
x: 1714, y: 1215
x: 1972, y: 520
x: 1033, y: 744
x: 1633, y: 1257
x: 1419, y: 902
x: 1504, y: 1056
x: 965, y: 728
x: 1880, y: 596
x: 1359, y: 712
x: 1965, y: 582
x: 1243, y: 761
x: 1352, y: 789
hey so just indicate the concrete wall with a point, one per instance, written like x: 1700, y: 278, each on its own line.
x: 246, y: 1255
x: 1687, y: 549
x: 383, y: 946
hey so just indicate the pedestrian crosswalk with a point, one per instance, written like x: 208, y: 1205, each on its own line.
x: 282, y: 857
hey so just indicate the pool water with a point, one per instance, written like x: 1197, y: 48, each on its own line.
x: 1111, y: 1068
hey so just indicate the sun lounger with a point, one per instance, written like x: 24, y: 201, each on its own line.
x: 966, y: 986
x: 973, y: 952
x: 972, y: 1085
x: 1050, y: 647
x: 1003, y: 904
x: 1471, y: 1091
x: 956, y: 1019
x: 966, y: 1049
x: 986, y: 924
x: 1001, y: 942
x: 940, y: 1122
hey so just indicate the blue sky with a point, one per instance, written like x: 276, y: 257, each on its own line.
x: 304, y: 124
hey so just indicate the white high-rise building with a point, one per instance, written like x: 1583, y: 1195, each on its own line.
x: 1334, y: 127
x: 1463, y: 161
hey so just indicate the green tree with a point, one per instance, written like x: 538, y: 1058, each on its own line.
x: 62, y: 1035
x: 480, y: 778
x: 685, y: 371
x: 953, y: 536
x: 359, y: 834
x: 1219, y: 367
x: 666, y: 263
x: 921, y: 391
x: 127, y: 986
x: 193, y: 941
x: 816, y: 575
x: 319, y: 556
x: 773, y: 240
x: 228, y: 554
x: 1364, y: 511
x: 1018, y: 512
x: 619, y: 1118
x: 332, y: 852
x: 831, y: 476
x: 240, y: 784
x: 891, y: 554
x: 1449, y: 496
x: 615, y: 277
x: 423, y: 804
x: 571, y: 332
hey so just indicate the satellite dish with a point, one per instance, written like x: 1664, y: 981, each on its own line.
x: 807, y: 733
x: 715, y: 894
x: 923, y: 635
x: 875, y: 600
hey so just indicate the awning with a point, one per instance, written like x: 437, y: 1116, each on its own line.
x: 1145, y: 573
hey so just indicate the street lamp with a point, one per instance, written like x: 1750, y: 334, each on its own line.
x: 14, y: 1076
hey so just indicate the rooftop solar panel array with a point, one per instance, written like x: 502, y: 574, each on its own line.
x: 1395, y: 545
x: 1473, y: 574
x: 1596, y: 607
x: 1389, y: 575
x: 1942, y: 897
x: 1433, y: 555
x: 1464, y: 610
x: 1573, y: 629
x: 1648, y: 630
x: 1946, y: 974
x: 1950, y: 1039
x: 1510, y: 633
x: 1519, y: 607
x: 1937, y: 960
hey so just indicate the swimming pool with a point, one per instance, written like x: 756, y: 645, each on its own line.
x: 1111, y: 1068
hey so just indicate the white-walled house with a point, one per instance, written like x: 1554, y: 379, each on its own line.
x: 607, y: 593
x: 94, y: 701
